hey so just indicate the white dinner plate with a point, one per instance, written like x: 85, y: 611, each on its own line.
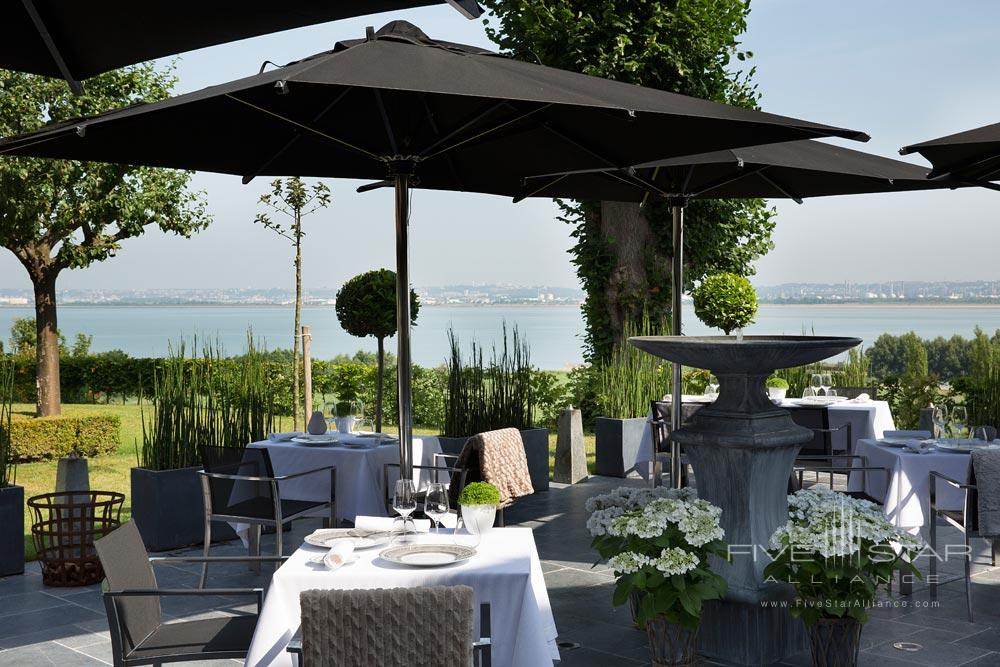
x: 361, y: 539
x: 820, y: 400
x: 896, y: 442
x: 356, y: 445
x: 427, y: 555
x: 325, y: 439
x: 963, y: 445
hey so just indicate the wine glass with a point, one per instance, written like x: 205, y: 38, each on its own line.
x: 436, y: 504
x: 816, y: 383
x: 404, y: 501
x: 808, y: 392
x: 826, y: 381
x: 940, y: 419
x: 959, y: 416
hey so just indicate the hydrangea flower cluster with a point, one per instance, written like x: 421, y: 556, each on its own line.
x: 833, y: 524
x: 607, y: 507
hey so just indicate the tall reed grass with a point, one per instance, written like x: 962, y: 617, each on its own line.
x: 630, y: 378
x: 483, y: 396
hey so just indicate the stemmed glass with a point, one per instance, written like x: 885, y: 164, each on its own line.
x: 712, y: 387
x: 940, y: 419
x: 959, y: 416
x: 436, y: 504
x: 826, y: 382
x: 816, y: 382
x: 404, y: 501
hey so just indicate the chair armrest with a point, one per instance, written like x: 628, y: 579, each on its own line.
x: 281, y: 478
x: 169, y: 592
x: 949, y: 481
x: 166, y: 560
x: 440, y: 455
x: 827, y: 457
x: 258, y: 478
x: 932, y: 495
x: 295, y: 643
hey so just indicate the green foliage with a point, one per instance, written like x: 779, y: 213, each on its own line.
x: 775, y: 382
x: 208, y: 402
x: 479, y: 493
x: 46, y: 438
x: 551, y: 395
x: 293, y: 198
x: 8, y: 463
x: 725, y: 301
x: 630, y: 378
x: 81, y: 345
x: 856, y: 371
x: 909, y: 394
x: 483, y: 397
x: 684, y: 47
x: 948, y: 358
x: 349, y: 379
x: 366, y: 304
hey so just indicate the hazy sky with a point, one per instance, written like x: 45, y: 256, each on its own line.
x: 902, y: 70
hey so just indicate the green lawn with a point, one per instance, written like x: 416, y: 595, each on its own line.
x: 111, y: 472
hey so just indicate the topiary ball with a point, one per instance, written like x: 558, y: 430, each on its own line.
x: 725, y: 301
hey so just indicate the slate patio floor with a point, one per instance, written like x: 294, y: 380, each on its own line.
x: 66, y: 627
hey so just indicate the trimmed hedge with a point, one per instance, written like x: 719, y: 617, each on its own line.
x: 46, y: 438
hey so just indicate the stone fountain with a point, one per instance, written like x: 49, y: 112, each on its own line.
x: 742, y: 448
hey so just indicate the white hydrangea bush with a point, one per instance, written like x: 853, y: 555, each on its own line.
x: 837, y: 551
x: 658, y: 542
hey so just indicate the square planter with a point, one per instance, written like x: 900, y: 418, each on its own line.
x: 167, y: 507
x: 11, y: 530
x: 617, y: 445
x: 536, y: 450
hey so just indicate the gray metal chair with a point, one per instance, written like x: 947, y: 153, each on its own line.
x: 359, y: 628
x: 966, y: 520
x: 820, y: 448
x: 659, y: 430
x: 132, y: 602
x: 239, y: 486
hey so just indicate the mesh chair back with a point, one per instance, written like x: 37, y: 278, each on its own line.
x: 814, y: 418
x: 496, y: 457
x: 126, y: 566
x: 238, y: 497
x: 662, y: 417
x: 397, y: 627
x: 854, y: 392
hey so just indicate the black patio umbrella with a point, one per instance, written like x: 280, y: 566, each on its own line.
x: 76, y: 40
x: 793, y: 170
x: 972, y: 156
x: 402, y: 107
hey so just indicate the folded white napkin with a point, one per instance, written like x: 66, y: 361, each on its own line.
x: 385, y: 523
x: 283, y: 437
x: 907, y: 434
x: 861, y: 398
x: 919, y: 446
x: 338, y: 554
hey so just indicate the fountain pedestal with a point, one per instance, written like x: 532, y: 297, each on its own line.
x: 742, y: 448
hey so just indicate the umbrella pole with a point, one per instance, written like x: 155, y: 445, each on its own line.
x: 677, y: 288
x: 401, y: 173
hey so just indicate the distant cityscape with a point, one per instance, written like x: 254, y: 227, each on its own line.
x: 480, y: 294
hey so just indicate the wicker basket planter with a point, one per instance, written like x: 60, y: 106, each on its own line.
x: 671, y: 644
x: 835, y: 642
x: 66, y: 525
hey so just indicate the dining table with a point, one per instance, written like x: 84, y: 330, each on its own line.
x: 907, y: 494
x: 505, y: 571
x: 359, y: 459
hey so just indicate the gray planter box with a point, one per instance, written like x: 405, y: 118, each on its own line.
x: 536, y: 450
x: 11, y: 530
x: 167, y: 507
x: 617, y: 445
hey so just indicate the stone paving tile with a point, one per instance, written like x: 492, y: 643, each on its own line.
x: 26, y: 602
x: 64, y: 617
x: 46, y: 654
x: 933, y: 653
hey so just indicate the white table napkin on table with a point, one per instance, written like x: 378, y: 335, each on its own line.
x: 283, y: 437
x: 861, y: 398
x: 338, y: 554
x: 919, y: 446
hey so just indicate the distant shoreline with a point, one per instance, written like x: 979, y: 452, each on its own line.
x: 501, y: 306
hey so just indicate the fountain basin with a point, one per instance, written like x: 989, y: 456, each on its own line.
x: 753, y: 355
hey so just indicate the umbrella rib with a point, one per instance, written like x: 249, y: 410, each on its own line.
x: 731, y: 179
x: 496, y: 128
x: 552, y: 181
x: 781, y: 189
x: 305, y: 127
x: 562, y: 135
x: 437, y: 132
x: 385, y: 121
x: 291, y: 142
x: 43, y: 32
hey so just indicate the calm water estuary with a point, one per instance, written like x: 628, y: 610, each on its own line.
x: 554, y: 332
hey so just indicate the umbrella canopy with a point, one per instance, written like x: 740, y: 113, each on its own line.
x: 793, y: 170
x: 76, y: 40
x: 402, y: 105
x: 973, y: 155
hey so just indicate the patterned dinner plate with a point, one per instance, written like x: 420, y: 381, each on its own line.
x: 963, y: 445
x: 361, y: 539
x: 896, y: 442
x: 306, y: 439
x: 427, y: 555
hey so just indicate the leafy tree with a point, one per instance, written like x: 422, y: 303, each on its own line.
x: 366, y: 306
x: 81, y: 345
x: 914, y: 356
x: 294, y: 199
x: 64, y: 214
x: 622, y: 251
x: 726, y: 301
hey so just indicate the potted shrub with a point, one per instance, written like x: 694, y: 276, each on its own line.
x: 366, y: 306
x: 624, y: 384
x: 11, y: 495
x: 777, y: 388
x: 837, y: 551
x: 658, y: 543
x: 479, y: 501
x: 485, y: 396
x: 725, y: 301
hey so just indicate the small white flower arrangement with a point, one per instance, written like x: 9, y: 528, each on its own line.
x: 837, y: 551
x: 658, y: 542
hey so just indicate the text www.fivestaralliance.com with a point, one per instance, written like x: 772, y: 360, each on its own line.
x: 882, y: 604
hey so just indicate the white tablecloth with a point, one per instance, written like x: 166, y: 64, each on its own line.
x: 907, y: 500
x: 359, y: 472
x: 505, y: 572
x: 868, y: 420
